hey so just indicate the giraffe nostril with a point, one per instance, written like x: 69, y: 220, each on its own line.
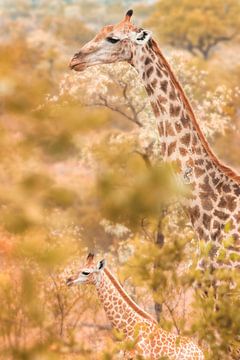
x: 75, y: 56
x: 69, y: 281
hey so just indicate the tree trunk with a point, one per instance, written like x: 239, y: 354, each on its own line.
x: 159, y: 241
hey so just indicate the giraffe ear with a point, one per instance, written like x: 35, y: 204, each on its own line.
x: 143, y: 37
x: 101, y: 264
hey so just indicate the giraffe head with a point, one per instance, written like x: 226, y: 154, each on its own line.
x: 113, y: 43
x: 90, y: 273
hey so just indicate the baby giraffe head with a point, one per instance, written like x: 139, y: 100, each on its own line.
x: 113, y: 43
x: 90, y: 273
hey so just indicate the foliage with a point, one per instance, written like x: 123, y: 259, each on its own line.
x: 80, y: 171
x: 196, y: 26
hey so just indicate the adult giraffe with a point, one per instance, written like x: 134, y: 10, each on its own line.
x: 150, y: 341
x: 214, y: 204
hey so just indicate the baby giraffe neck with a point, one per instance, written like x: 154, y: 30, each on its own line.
x: 151, y: 342
x: 120, y: 309
x: 183, y: 142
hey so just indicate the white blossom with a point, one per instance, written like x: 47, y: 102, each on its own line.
x: 115, y: 229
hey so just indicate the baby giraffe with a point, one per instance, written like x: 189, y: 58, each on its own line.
x: 151, y: 342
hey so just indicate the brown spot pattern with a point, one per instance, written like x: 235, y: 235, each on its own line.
x: 149, y: 90
x: 231, y: 202
x: 161, y: 128
x: 174, y: 110
x: 159, y: 74
x: 148, y: 61
x: 178, y: 126
x: 169, y: 129
x: 154, y: 83
x: 186, y: 139
x: 164, y: 86
x: 198, y: 171
x: 172, y: 94
x: 183, y: 151
x: 155, y: 108
x: 221, y: 215
x: 172, y: 148
x: 206, y: 221
x: 149, y: 71
x: 184, y: 120
x: 194, y: 213
x: 206, y: 203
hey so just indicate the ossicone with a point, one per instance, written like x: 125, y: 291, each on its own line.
x: 128, y: 15
x: 90, y: 256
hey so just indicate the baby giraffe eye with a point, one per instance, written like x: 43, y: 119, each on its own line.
x: 112, y: 40
x: 85, y: 273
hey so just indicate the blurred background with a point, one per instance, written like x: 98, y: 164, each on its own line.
x: 81, y: 170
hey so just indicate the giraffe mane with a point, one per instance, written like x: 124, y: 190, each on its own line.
x: 225, y: 169
x: 127, y: 298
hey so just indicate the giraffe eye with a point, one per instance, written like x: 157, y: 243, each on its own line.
x: 143, y: 36
x: 112, y: 40
x: 85, y: 273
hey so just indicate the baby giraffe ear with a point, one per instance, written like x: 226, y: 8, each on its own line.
x: 143, y: 37
x: 101, y: 264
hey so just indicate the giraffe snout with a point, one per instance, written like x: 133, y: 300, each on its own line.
x: 77, y: 61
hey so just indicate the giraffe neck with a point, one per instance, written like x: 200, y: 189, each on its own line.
x: 182, y: 141
x: 123, y: 313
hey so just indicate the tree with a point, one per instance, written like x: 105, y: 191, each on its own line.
x: 196, y: 26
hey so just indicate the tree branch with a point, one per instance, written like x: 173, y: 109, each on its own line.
x: 118, y: 110
x: 99, y: 327
x: 145, y: 158
x: 171, y: 312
